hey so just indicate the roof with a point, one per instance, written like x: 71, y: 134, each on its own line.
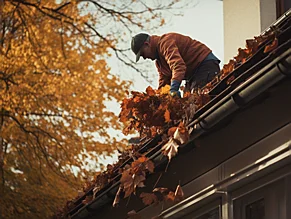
x: 247, y: 81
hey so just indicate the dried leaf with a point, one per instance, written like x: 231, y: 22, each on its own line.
x: 133, y: 215
x: 149, y: 198
x: 167, y: 116
x: 150, y: 91
x: 179, y: 194
x: 171, y: 131
x: 170, y: 149
x: 272, y: 46
x: 87, y: 199
x: 181, y: 134
x: 117, y: 197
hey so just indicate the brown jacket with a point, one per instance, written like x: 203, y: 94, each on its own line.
x: 178, y: 56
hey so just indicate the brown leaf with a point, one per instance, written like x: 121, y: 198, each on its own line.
x: 167, y: 116
x: 162, y: 190
x: 149, y: 198
x: 272, y: 46
x: 170, y: 196
x: 117, y: 197
x: 87, y: 199
x: 171, y: 131
x: 179, y: 194
x: 150, y: 91
x: 170, y: 149
x: 181, y: 134
x: 133, y: 215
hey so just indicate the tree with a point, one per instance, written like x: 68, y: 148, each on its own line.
x: 54, y: 82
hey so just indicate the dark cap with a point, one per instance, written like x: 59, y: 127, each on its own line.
x: 137, y: 42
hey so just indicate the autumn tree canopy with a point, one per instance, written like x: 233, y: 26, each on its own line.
x: 54, y: 81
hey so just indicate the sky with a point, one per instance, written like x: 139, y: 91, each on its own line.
x: 204, y: 22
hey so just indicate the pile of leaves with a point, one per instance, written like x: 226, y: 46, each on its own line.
x: 252, y: 47
x: 154, y: 111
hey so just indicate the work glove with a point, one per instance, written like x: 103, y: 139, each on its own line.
x: 174, y: 90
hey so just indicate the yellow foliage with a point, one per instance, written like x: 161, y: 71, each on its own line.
x: 54, y: 82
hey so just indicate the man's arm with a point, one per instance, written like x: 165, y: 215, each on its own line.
x: 173, y: 57
x: 177, y: 65
x: 163, y: 79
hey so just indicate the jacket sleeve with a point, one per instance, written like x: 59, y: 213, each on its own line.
x: 172, y: 56
x: 163, y: 79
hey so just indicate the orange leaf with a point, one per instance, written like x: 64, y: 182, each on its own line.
x: 272, y: 46
x: 167, y: 116
x: 150, y: 91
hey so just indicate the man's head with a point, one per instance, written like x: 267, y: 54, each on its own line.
x: 140, y: 45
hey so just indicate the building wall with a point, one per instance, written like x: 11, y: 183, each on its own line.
x: 244, y: 20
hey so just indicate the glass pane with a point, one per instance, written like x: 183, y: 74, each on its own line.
x: 213, y: 214
x: 256, y: 210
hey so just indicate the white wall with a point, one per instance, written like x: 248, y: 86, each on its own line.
x: 244, y: 19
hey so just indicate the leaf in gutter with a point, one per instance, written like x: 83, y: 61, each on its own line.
x: 272, y: 46
x: 170, y: 196
x: 117, y: 197
x: 170, y: 149
x: 179, y: 194
x: 171, y: 131
x: 88, y: 199
x: 181, y: 134
x: 133, y: 215
x: 149, y: 198
x: 167, y: 116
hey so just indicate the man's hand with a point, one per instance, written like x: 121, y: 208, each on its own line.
x: 174, y: 90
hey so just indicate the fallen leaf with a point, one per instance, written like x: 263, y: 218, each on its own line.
x: 87, y: 199
x: 170, y: 149
x: 181, y: 134
x: 167, y: 116
x: 272, y: 46
x: 117, y: 197
x: 133, y: 215
x: 179, y: 194
x: 149, y: 198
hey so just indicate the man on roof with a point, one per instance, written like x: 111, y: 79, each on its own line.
x: 178, y: 58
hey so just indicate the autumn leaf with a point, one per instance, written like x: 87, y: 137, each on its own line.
x: 87, y: 199
x: 133, y: 215
x: 272, y: 46
x: 171, y: 131
x: 165, y: 89
x: 167, y: 116
x: 181, y: 134
x: 150, y: 91
x: 148, y: 198
x: 179, y: 194
x: 117, y: 197
x: 170, y: 149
